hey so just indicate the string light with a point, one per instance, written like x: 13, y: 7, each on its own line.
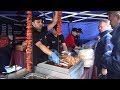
x: 29, y: 41
x: 59, y: 24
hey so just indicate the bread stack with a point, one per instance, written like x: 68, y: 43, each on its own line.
x: 87, y: 55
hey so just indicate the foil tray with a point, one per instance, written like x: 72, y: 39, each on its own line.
x: 74, y: 72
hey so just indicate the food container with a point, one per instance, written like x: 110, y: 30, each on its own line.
x: 87, y: 56
x: 74, y: 72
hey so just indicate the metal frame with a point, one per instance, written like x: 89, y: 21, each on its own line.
x: 79, y: 15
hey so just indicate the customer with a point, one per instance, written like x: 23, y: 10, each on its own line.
x: 104, y: 45
x: 112, y: 62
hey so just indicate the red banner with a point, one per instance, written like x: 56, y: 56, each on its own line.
x: 4, y: 41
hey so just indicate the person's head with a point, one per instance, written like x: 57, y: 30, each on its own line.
x: 54, y: 30
x: 114, y: 17
x: 79, y: 31
x: 104, y: 24
x: 74, y: 31
x: 37, y: 22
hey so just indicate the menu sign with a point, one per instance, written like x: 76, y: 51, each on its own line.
x: 4, y: 29
x: 10, y: 29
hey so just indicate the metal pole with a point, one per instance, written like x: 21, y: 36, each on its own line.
x: 72, y: 24
x: 69, y: 27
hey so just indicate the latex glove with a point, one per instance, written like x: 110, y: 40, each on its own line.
x: 55, y: 51
x: 55, y: 58
x: 56, y: 11
x: 104, y: 71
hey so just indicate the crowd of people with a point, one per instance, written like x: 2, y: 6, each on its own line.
x: 45, y: 46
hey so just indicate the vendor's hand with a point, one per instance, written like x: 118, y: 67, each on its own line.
x: 56, y: 11
x: 55, y: 58
x: 64, y: 52
x: 104, y: 71
x: 76, y: 47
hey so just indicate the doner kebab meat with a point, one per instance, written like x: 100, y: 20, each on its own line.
x: 70, y: 60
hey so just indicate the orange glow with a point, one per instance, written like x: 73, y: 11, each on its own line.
x: 29, y: 41
x: 59, y: 24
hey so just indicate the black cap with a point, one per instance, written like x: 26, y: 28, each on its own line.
x: 74, y: 29
x: 79, y: 30
x: 36, y: 17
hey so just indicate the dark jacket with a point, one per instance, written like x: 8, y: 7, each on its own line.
x: 112, y: 62
x: 77, y: 40
x: 55, y: 42
x: 38, y: 55
x: 104, y: 45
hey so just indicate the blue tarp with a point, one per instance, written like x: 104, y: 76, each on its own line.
x: 90, y: 29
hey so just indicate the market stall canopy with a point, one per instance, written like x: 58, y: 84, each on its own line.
x: 67, y: 16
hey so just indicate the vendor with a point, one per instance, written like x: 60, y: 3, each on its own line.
x: 70, y: 40
x: 40, y: 50
x: 56, y: 41
x: 77, y: 37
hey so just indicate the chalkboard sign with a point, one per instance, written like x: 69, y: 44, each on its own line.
x: 12, y: 29
x: 4, y: 29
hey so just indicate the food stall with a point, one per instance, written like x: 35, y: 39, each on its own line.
x: 78, y: 67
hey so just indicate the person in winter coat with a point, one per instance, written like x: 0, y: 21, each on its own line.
x: 104, y: 45
x: 112, y: 62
